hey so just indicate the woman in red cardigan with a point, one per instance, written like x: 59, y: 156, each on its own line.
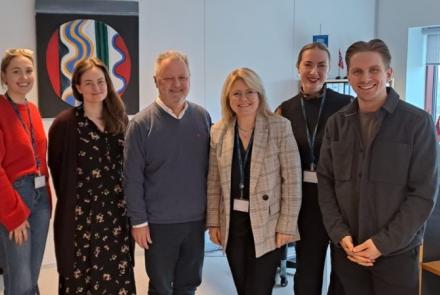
x: 24, y: 195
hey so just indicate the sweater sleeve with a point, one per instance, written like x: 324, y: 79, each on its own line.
x: 13, y: 211
x: 134, y: 167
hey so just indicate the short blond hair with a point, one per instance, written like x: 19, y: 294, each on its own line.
x: 12, y: 53
x: 252, y: 80
x: 169, y: 54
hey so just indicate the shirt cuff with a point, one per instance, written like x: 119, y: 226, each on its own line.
x: 140, y: 225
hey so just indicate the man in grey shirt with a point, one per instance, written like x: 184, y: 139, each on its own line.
x: 377, y: 179
x: 165, y: 169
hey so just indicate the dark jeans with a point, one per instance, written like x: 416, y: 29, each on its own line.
x: 393, y: 275
x: 175, y: 258
x: 22, y: 263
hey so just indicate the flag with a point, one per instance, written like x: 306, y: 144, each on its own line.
x: 340, y: 61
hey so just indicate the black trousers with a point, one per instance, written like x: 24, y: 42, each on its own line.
x: 252, y: 276
x: 312, y: 248
x: 393, y: 275
x: 175, y: 258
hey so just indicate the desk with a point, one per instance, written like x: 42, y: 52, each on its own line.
x: 433, y: 266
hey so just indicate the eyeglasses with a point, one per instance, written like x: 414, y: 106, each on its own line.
x: 250, y: 94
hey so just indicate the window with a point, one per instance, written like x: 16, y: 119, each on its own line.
x: 432, y: 83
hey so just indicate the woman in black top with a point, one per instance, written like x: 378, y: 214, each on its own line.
x: 308, y: 112
x: 92, y: 235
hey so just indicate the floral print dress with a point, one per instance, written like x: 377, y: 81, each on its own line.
x: 103, y: 262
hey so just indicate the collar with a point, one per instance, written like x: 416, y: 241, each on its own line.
x: 306, y: 96
x: 390, y: 105
x: 391, y: 101
x: 170, y: 111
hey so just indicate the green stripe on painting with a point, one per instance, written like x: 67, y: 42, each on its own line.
x: 101, y: 36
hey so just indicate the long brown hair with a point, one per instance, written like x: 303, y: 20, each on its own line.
x: 113, y: 113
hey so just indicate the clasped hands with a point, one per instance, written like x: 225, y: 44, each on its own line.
x: 364, y: 254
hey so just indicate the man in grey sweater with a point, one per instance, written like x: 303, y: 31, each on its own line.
x: 165, y: 170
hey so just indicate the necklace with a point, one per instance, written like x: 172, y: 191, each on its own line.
x: 245, y: 130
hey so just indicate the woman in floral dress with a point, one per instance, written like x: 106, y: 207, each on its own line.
x: 92, y: 238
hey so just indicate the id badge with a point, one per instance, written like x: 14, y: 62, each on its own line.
x: 310, y: 177
x: 40, y: 181
x: 241, y: 205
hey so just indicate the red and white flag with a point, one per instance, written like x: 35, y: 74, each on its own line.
x: 340, y: 61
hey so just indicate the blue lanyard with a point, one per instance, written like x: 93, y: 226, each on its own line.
x: 242, y: 162
x: 311, y: 140
x: 29, y: 131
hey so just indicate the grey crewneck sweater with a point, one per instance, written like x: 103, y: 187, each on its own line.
x: 165, y: 165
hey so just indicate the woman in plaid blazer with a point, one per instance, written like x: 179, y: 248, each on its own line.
x: 254, y: 183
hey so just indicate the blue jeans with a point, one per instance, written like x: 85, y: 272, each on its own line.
x: 22, y: 263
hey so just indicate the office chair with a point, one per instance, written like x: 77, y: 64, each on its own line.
x: 285, y: 263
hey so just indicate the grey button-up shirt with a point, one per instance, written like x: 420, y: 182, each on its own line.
x: 385, y: 190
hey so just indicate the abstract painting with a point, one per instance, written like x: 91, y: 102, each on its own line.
x: 64, y: 39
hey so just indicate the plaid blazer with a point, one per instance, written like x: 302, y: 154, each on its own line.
x: 275, y: 181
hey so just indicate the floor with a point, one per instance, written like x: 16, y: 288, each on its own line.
x: 217, y: 279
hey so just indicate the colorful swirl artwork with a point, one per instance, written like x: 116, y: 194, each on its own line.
x: 79, y: 39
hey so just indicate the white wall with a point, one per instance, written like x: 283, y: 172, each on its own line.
x: 171, y: 24
x: 17, y: 29
x: 219, y: 36
x: 345, y: 21
x: 394, y: 18
x: 249, y: 33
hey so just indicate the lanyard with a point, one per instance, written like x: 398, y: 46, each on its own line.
x: 29, y: 131
x: 311, y: 140
x: 242, y: 162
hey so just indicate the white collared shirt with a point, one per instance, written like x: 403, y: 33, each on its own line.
x: 170, y: 111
